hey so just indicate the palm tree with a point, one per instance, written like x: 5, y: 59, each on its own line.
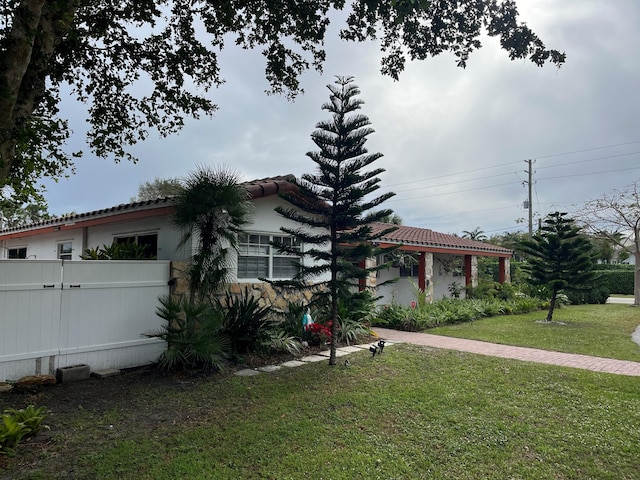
x: 211, y: 210
x: 475, y: 234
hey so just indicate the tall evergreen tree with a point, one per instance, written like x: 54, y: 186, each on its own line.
x: 560, y: 257
x: 336, y: 202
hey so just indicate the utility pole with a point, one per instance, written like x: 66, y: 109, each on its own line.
x: 529, y: 183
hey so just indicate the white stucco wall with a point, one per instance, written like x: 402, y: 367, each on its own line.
x: 403, y: 291
x: 45, y: 247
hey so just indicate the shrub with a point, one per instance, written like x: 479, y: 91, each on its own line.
x: 452, y: 310
x: 245, y: 320
x: 193, y: 335
x: 118, y: 251
x: 278, y: 341
x: 390, y: 316
x: 17, y: 424
x: 617, y: 281
x: 595, y: 295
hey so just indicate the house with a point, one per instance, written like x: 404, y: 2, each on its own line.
x: 439, y: 259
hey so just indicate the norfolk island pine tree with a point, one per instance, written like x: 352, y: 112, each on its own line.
x: 334, y: 206
x: 559, y: 257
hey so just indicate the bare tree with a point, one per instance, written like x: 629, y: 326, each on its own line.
x: 614, y: 214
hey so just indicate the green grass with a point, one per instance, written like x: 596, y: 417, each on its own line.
x: 600, y: 330
x: 412, y: 413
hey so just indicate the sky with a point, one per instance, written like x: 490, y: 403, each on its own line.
x: 455, y: 142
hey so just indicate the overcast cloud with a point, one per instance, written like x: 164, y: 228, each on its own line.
x: 454, y: 141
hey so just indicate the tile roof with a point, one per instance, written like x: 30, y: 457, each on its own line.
x: 262, y: 187
x: 424, y: 237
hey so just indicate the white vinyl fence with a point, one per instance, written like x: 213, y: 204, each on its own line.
x: 56, y: 314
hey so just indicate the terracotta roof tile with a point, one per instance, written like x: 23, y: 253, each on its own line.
x: 425, y: 237
x: 259, y: 188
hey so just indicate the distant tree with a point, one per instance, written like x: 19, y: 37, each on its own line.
x: 393, y: 218
x: 158, y: 188
x: 510, y: 240
x: 18, y: 214
x: 475, y: 234
x: 211, y: 210
x: 616, y: 216
x: 333, y: 204
x: 603, y: 248
x: 560, y: 257
x: 147, y: 65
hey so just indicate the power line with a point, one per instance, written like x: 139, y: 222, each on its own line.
x: 518, y: 161
x: 590, y: 160
x: 592, y: 173
x: 589, y: 149
x: 396, y: 198
x: 465, y: 213
x: 453, y: 183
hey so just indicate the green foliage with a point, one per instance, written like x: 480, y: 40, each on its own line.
x: 559, y: 257
x: 246, y: 322
x: 18, y: 423
x: 455, y: 289
x: 619, y: 281
x: 392, y: 315
x: 451, y: 310
x: 212, y: 208
x: 593, y: 295
x: 118, y: 251
x: 335, y: 205
x: 165, y: 56
x: 158, y: 188
x: 31, y: 416
x: 193, y: 334
x: 278, y: 341
x: 493, y: 290
x: 17, y: 213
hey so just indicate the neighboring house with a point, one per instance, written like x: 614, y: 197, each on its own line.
x: 432, y: 262
x: 440, y: 259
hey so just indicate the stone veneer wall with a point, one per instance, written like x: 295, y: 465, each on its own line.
x: 267, y: 294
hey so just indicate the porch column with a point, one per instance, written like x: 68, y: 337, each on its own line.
x: 471, y: 270
x: 504, y: 270
x: 425, y: 274
x: 362, y: 282
x: 370, y: 280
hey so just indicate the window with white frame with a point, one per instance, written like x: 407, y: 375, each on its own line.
x: 65, y: 250
x: 258, y: 259
x: 17, y: 252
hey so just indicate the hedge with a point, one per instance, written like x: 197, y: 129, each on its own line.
x: 616, y: 281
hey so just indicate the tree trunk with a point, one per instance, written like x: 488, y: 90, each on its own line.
x: 37, y: 28
x: 636, y: 258
x: 552, y: 305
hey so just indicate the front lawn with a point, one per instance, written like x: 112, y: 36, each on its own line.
x: 600, y: 330
x: 411, y: 413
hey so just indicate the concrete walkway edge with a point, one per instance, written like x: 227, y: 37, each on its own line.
x: 573, y: 360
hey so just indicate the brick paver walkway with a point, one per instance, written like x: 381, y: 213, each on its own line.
x: 586, y: 362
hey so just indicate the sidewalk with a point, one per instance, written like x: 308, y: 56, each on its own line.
x: 586, y: 362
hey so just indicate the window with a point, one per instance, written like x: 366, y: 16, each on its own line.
x: 65, y: 250
x: 258, y: 259
x: 148, y: 240
x: 17, y: 252
x: 410, y: 271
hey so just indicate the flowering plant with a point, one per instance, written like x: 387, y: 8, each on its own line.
x: 320, y: 333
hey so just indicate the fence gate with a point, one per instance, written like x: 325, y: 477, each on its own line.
x: 56, y: 314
